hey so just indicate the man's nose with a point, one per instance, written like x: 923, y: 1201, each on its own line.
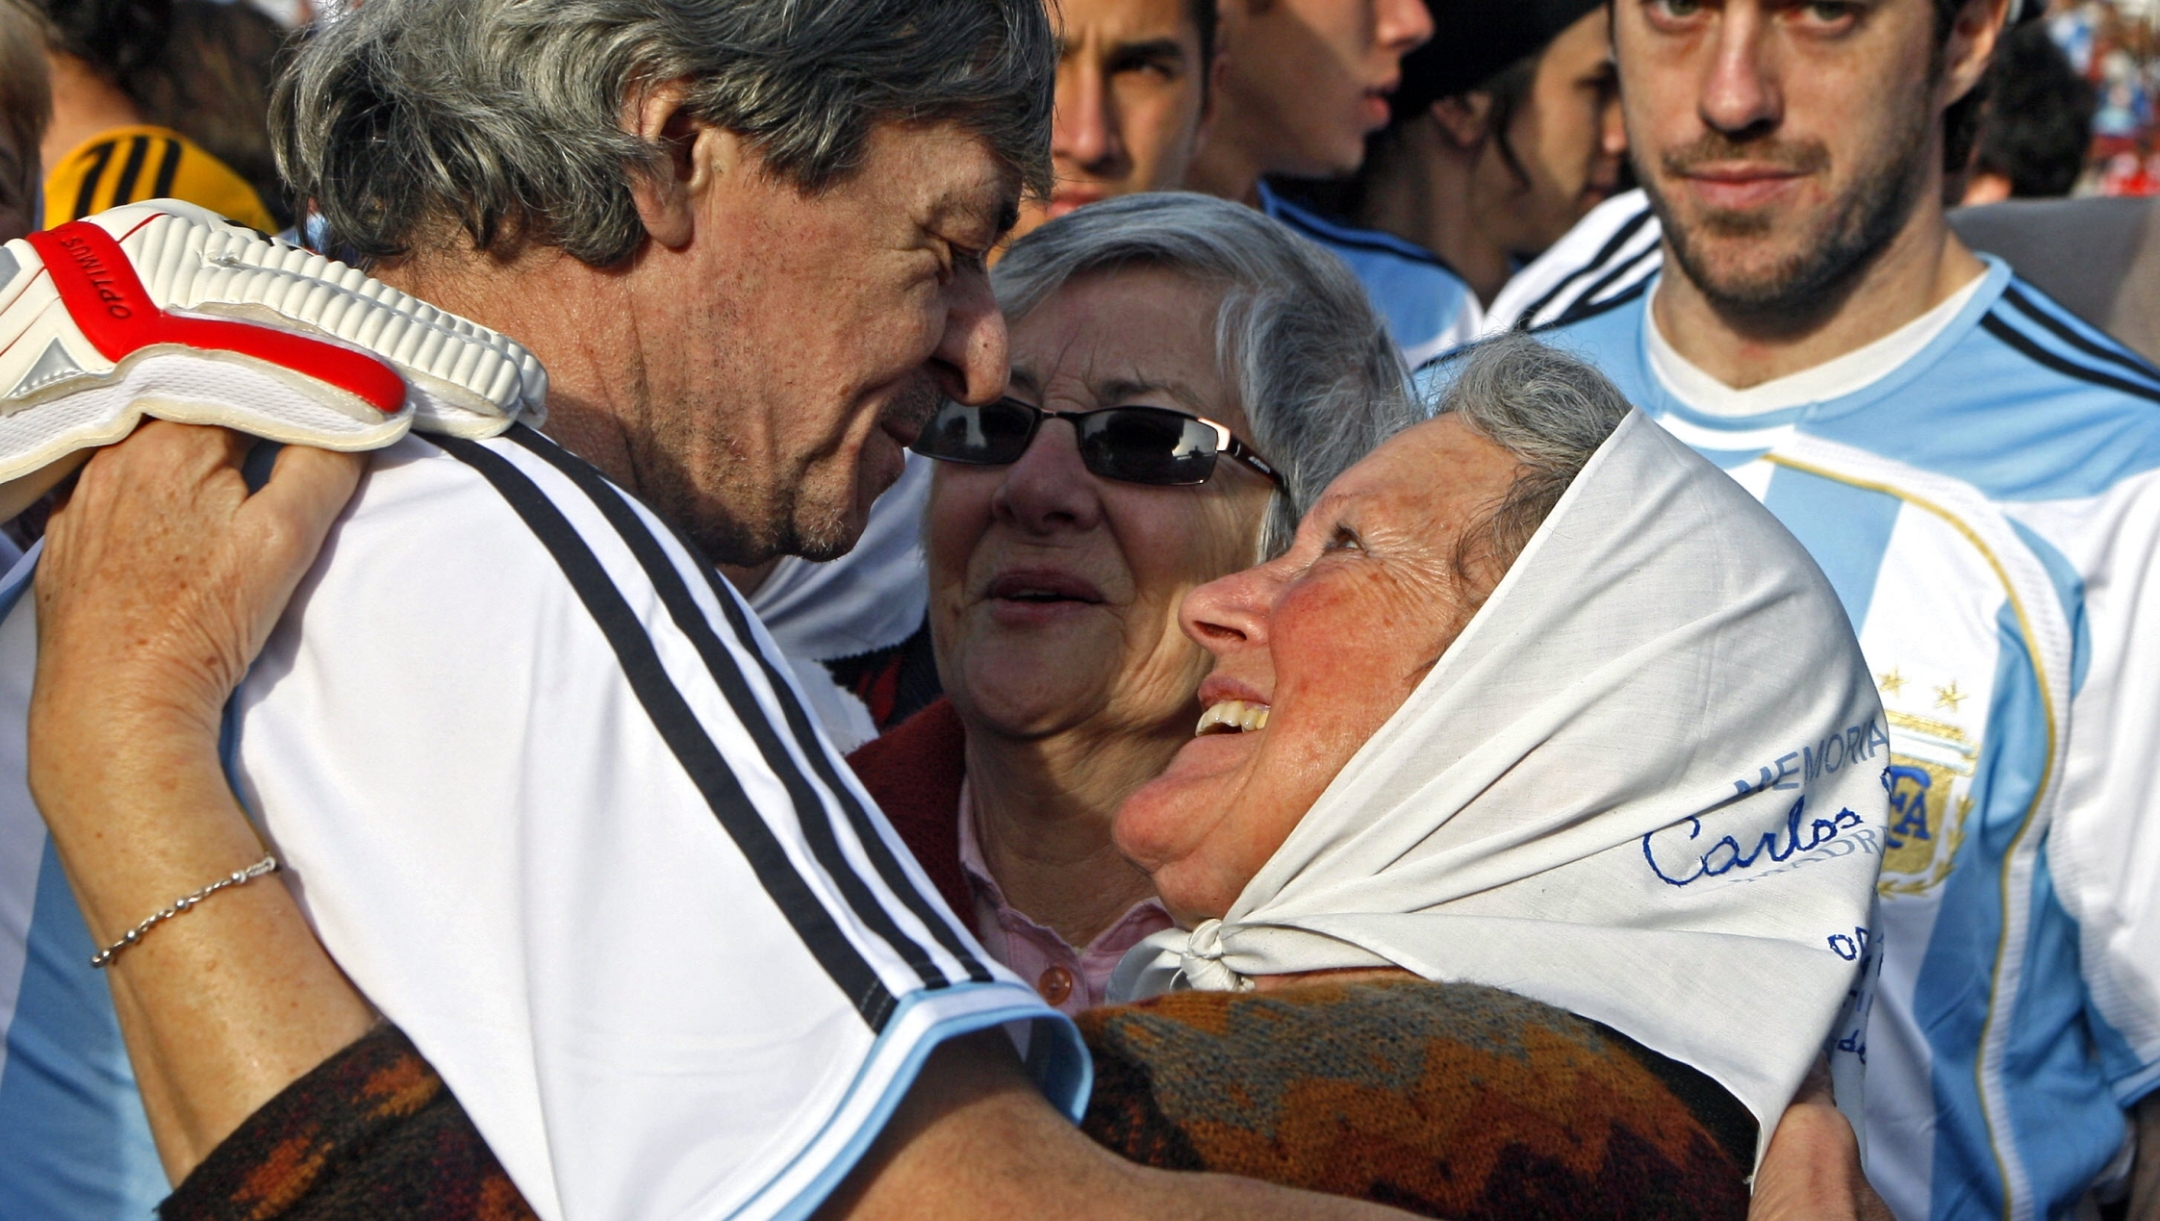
x: 1740, y: 90
x: 1047, y: 488
x: 1402, y: 26
x: 1085, y: 128
x: 972, y: 354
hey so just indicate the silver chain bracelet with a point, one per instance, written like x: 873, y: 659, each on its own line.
x: 238, y: 877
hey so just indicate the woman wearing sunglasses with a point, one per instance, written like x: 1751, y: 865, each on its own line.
x: 1186, y: 376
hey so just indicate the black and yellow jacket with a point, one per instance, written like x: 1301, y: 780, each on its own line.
x: 126, y: 164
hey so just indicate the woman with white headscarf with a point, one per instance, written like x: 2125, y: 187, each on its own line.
x: 1611, y: 746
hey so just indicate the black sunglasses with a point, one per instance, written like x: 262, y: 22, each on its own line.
x: 1153, y: 445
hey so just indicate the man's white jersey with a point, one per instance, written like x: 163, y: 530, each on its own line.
x: 1988, y: 509
x: 1613, y: 248
x: 1428, y: 308
x: 550, y: 797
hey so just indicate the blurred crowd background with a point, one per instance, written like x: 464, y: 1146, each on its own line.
x: 2110, y: 69
x: 2072, y: 113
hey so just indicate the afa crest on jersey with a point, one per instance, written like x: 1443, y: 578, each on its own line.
x: 1931, y: 766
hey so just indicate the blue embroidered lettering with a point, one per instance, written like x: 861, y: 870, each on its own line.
x: 1785, y: 769
x: 1780, y: 845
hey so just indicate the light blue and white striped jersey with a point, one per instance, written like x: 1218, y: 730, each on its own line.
x: 1988, y: 510
x: 549, y: 796
x: 1429, y: 309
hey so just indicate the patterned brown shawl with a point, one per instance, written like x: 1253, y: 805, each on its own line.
x: 1443, y: 1100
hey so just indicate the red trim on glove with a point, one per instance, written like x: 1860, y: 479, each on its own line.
x: 106, y: 298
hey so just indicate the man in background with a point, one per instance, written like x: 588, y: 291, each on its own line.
x: 1306, y: 81
x: 2024, y: 134
x: 1506, y: 132
x: 1136, y: 87
x: 1978, y: 473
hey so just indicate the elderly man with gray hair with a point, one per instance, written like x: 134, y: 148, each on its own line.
x: 557, y: 809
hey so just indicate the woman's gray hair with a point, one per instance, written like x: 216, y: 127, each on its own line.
x: 1548, y: 409
x: 504, y: 117
x: 1315, y: 371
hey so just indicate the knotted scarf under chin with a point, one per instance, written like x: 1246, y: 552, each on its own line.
x: 1174, y: 960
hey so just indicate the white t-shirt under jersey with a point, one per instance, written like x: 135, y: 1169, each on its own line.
x: 551, y: 799
x: 1848, y: 374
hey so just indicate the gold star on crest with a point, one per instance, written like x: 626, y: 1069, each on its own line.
x: 1950, y: 697
x: 1892, y: 683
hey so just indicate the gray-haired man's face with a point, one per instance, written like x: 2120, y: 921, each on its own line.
x: 800, y: 340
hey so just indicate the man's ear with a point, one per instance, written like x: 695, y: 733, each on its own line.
x: 1464, y: 119
x: 694, y: 156
x: 1973, y: 35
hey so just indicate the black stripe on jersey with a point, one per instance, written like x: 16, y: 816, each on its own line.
x: 130, y: 170
x: 930, y: 912
x: 2069, y: 368
x: 811, y: 812
x: 1581, y: 310
x: 1611, y: 247
x: 679, y: 728
x: 2063, y: 331
x: 1588, y: 304
x: 167, y: 170
x: 86, y: 194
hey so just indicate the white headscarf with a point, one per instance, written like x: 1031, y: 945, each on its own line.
x: 1644, y: 786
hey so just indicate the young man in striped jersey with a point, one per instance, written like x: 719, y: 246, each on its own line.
x: 560, y: 813
x: 1978, y: 472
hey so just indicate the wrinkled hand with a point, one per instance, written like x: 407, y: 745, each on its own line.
x: 1811, y: 1171
x: 162, y: 577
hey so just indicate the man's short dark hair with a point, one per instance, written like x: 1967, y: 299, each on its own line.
x: 502, y: 117
x: 2038, y: 128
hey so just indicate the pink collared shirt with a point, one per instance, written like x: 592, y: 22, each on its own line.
x: 1069, y: 979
